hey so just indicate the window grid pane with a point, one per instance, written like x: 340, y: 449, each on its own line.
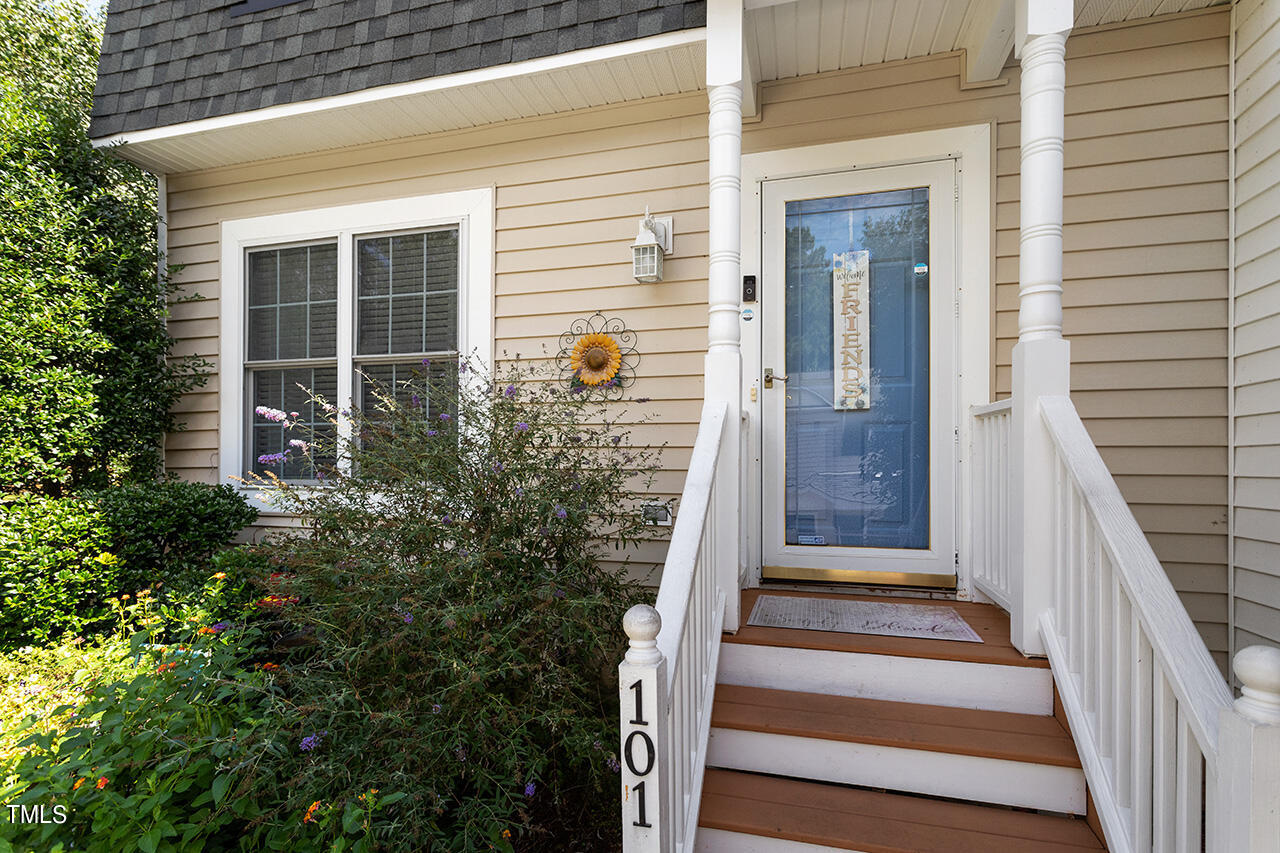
x: 392, y: 376
x: 407, y: 295
x: 286, y: 389
x: 293, y: 302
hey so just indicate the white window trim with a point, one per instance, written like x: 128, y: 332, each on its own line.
x: 472, y: 210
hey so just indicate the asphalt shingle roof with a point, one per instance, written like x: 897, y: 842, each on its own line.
x: 171, y: 61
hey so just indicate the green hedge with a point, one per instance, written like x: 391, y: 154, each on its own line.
x: 63, y: 559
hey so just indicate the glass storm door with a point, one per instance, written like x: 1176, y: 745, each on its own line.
x: 858, y: 336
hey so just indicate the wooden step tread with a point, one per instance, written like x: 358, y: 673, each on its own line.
x: 990, y: 622
x: 987, y: 734
x: 875, y: 822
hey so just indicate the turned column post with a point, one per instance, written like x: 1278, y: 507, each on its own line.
x: 723, y: 365
x: 1041, y: 358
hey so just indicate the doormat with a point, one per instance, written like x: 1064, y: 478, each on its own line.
x: 922, y: 621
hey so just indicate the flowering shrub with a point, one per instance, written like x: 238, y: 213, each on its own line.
x: 151, y: 750
x: 458, y: 593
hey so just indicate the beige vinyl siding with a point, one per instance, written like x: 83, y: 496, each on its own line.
x: 568, y: 192
x: 1146, y: 253
x: 1257, y: 325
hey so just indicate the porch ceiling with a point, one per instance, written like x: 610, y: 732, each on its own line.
x: 791, y: 39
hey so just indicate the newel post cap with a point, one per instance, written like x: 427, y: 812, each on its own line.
x: 642, y: 624
x: 1258, y: 668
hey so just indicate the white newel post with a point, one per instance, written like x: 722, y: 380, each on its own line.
x: 1248, y: 768
x: 723, y: 369
x: 1041, y: 358
x: 646, y: 774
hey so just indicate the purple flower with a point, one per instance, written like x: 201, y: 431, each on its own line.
x: 408, y: 617
x: 426, y: 361
x: 542, y: 531
x: 446, y: 416
x: 415, y: 400
x: 497, y: 467
x: 435, y: 709
x: 522, y: 427
x: 310, y: 742
x: 560, y: 512
x: 298, y: 443
x: 529, y: 789
x: 616, y: 439
x: 511, y: 391
x: 346, y: 413
x: 270, y: 414
x: 446, y: 519
x: 219, y: 626
x: 462, y: 368
x: 272, y: 458
x: 613, y: 764
x: 558, y: 593
x: 431, y: 432
x: 519, y: 492
x: 319, y: 475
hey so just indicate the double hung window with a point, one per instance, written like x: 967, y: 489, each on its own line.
x: 317, y: 300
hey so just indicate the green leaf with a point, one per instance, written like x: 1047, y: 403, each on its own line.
x: 150, y: 840
x: 220, y: 785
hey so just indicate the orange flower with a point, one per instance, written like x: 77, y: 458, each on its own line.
x: 78, y: 783
x: 165, y: 667
x: 206, y: 630
x: 595, y: 358
x: 270, y: 667
x: 102, y: 782
x: 311, y: 811
x: 506, y: 833
x: 220, y: 576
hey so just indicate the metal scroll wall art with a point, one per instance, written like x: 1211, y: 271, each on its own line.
x: 598, y: 355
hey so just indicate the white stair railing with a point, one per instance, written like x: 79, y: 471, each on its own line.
x: 1172, y: 763
x: 667, y: 680
x: 991, y: 513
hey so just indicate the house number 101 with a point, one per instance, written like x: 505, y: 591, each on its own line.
x: 629, y: 754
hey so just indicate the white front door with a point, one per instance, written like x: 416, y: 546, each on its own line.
x: 858, y: 312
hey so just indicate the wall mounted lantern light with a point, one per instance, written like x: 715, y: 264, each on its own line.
x: 652, y: 242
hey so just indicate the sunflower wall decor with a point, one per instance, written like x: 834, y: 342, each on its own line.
x: 598, y: 354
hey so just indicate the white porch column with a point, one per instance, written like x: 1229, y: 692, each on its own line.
x: 1041, y: 358
x: 723, y: 370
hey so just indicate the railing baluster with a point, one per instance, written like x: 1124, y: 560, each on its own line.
x: 1190, y: 800
x: 1121, y: 690
x: 1080, y: 595
x: 1089, y: 630
x: 1105, y: 662
x: 1141, y: 708
x: 1164, y: 768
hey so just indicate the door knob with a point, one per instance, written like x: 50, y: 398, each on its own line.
x: 769, y: 376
